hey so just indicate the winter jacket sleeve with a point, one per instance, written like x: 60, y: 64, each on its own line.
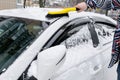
x: 115, y: 48
x: 104, y: 4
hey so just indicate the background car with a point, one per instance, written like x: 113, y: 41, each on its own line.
x: 87, y: 38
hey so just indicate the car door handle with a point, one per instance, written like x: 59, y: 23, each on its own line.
x: 96, y: 69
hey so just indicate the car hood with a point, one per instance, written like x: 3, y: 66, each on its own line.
x: 29, y: 13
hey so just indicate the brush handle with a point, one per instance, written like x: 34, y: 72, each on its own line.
x: 60, y: 13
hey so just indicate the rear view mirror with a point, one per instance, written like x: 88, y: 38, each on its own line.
x: 48, y: 61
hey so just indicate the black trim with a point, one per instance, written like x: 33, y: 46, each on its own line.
x: 93, y: 33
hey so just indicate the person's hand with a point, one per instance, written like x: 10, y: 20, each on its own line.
x: 81, y: 6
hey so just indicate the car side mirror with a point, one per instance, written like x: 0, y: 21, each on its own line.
x: 49, y: 60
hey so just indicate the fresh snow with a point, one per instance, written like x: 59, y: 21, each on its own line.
x: 29, y: 13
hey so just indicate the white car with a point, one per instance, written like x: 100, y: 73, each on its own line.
x: 33, y: 47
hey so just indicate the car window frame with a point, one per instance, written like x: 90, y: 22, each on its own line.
x: 88, y: 21
x: 62, y: 29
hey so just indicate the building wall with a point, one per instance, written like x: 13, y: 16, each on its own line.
x: 7, y: 4
x: 19, y: 3
x: 32, y: 3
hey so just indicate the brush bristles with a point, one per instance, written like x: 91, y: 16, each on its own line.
x: 56, y: 15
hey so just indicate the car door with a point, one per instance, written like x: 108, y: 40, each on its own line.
x: 81, y: 56
x: 105, y: 34
x: 82, y: 59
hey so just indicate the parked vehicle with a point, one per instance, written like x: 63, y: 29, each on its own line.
x: 77, y: 47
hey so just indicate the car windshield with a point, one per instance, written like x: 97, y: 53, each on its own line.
x: 15, y: 35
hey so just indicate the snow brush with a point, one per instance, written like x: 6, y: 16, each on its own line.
x: 60, y: 13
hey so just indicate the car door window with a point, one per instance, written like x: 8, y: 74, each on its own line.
x: 79, y: 36
x: 76, y: 26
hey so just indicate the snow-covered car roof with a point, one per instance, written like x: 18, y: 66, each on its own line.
x: 40, y: 14
x: 28, y: 13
